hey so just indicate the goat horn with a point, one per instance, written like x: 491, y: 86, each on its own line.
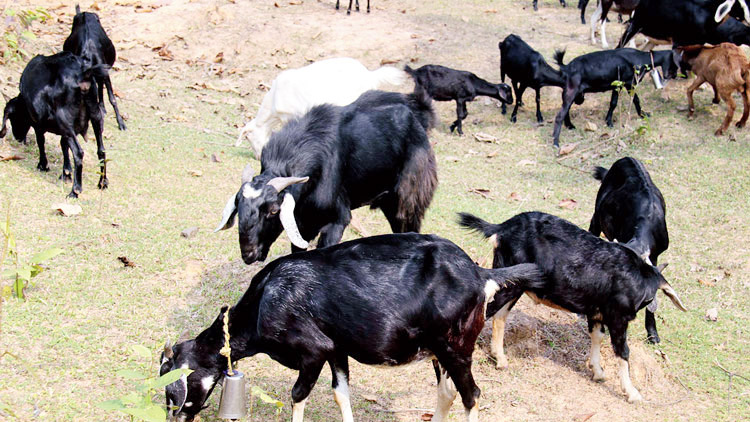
x: 745, y: 10
x: 723, y: 10
x: 671, y: 294
x: 168, y: 352
x: 289, y: 223
x: 7, y: 98
x: 662, y: 267
x: 281, y: 183
x: 247, y: 173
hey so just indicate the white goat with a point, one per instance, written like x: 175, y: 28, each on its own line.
x: 337, y: 81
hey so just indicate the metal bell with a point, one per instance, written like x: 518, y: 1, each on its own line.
x: 657, y: 79
x: 233, y: 403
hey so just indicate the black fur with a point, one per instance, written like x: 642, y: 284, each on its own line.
x: 526, y: 68
x: 631, y: 209
x: 58, y: 95
x: 445, y: 84
x: 373, y: 152
x: 383, y: 300
x: 88, y: 40
x: 349, y: 10
x: 534, y: 4
x: 595, y: 72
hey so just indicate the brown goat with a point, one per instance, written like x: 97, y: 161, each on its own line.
x: 726, y: 68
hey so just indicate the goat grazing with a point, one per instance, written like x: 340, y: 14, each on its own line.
x: 445, y: 84
x: 630, y: 209
x: 727, y: 69
x: 604, y: 281
x: 349, y: 10
x: 295, y: 91
x: 88, y: 40
x: 58, y: 95
x: 684, y: 22
x: 384, y: 300
x: 596, y: 72
x: 373, y: 152
x: 526, y: 68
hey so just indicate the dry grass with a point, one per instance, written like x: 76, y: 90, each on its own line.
x: 83, y: 315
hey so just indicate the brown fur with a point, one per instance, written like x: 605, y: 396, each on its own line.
x: 416, y: 188
x: 727, y: 69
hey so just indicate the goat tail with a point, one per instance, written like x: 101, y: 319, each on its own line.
x: 599, y: 173
x: 521, y: 276
x: 416, y: 186
x: 475, y: 223
x: 420, y: 104
x: 388, y: 75
x: 559, y: 54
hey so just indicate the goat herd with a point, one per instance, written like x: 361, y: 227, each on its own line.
x: 394, y: 299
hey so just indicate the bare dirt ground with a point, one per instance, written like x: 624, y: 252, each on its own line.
x: 178, y: 59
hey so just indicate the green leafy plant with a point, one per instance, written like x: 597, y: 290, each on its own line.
x: 265, y: 397
x: 17, y: 30
x: 21, y: 273
x: 139, y: 404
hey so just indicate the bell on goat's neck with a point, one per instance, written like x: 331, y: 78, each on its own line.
x: 233, y: 402
x: 657, y: 79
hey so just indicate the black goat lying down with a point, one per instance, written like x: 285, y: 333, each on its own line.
x: 88, y: 40
x: 445, y: 84
x: 607, y: 282
x: 631, y: 210
x: 526, y: 68
x: 373, y: 152
x: 383, y: 300
x: 58, y: 95
x: 596, y: 72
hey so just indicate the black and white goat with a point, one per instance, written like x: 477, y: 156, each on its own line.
x: 373, y: 152
x: 384, y: 300
x: 631, y: 210
x: 683, y: 22
x: 58, y: 95
x: 622, y: 7
x: 526, y: 68
x: 605, y: 281
x: 88, y: 40
x: 597, y: 71
x: 349, y: 10
x: 446, y: 84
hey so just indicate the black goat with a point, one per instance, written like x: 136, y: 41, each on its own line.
x: 383, y: 300
x: 88, y: 40
x: 373, y: 152
x: 684, y: 22
x: 349, y: 10
x: 534, y: 3
x: 445, y: 84
x: 630, y: 209
x: 596, y: 72
x: 526, y: 68
x: 605, y: 281
x: 58, y: 95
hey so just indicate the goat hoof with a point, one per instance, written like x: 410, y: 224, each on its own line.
x: 121, y: 126
x: 513, y: 119
x: 42, y: 167
x: 645, y: 114
x: 103, y: 183
x: 740, y: 124
x: 610, y: 124
x: 73, y: 194
x: 719, y: 132
x: 66, y: 177
x: 634, y: 397
x: 715, y: 101
x: 599, y: 377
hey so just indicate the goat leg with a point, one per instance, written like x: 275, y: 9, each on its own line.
x: 731, y: 105
x: 637, y: 104
x: 66, y: 173
x: 612, y: 105
x: 696, y: 83
x: 746, y: 107
x: 42, y: 166
x: 113, y: 101
x: 539, y: 118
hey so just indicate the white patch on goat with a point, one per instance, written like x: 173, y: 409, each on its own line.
x: 164, y: 360
x: 187, y: 404
x: 595, y: 355
x: 472, y: 415
x: 207, y: 383
x: 494, y: 241
x: 446, y: 393
x: 498, y: 335
x: 627, y: 385
x: 298, y: 411
x: 250, y: 192
x: 341, y: 396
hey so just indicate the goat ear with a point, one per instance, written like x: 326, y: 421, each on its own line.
x: 228, y: 215
x: 168, y: 352
x: 661, y: 267
x: 184, y: 336
x: 671, y: 294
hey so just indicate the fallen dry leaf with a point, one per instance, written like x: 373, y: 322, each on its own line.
x: 219, y: 57
x: 568, y: 204
x: 388, y: 61
x: 215, y: 158
x: 590, y: 127
x: 583, y: 417
x: 567, y: 149
x: 126, y: 261
x: 514, y: 196
x: 67, y: 210
x: 483, y: 137
x: 480, y: 191
x: 662, y: 355
x: 492, y: 154
x: 189, y: 232
x: 372, y: 399
x: 426, y: 417
x: 712, y: 314
x: 196, y: 173
x: 526, y: 163
x: 11, y: 157
x: 706, y: 283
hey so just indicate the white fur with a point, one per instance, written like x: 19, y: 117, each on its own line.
x: 341, y: 395
x: 627, y: 385
x: 207, y: 383
x: 498, y: 335
x: 250, y: 192
x: 595, y: 357
x: 446, y: 393
x: 337, y: 81
x: 298, y: 411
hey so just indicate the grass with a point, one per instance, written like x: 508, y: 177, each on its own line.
x: 83, y: 314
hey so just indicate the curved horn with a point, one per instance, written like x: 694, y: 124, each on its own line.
x: 723, y: 10
x: 290, y: 225
x: 227, y: 217
x: 745, y: 10
x: 281, y: 183
x: 247, y: 173
x: 661, y: 267
x: 669, y: 291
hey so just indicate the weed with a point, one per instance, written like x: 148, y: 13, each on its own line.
x: 17, y: 30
